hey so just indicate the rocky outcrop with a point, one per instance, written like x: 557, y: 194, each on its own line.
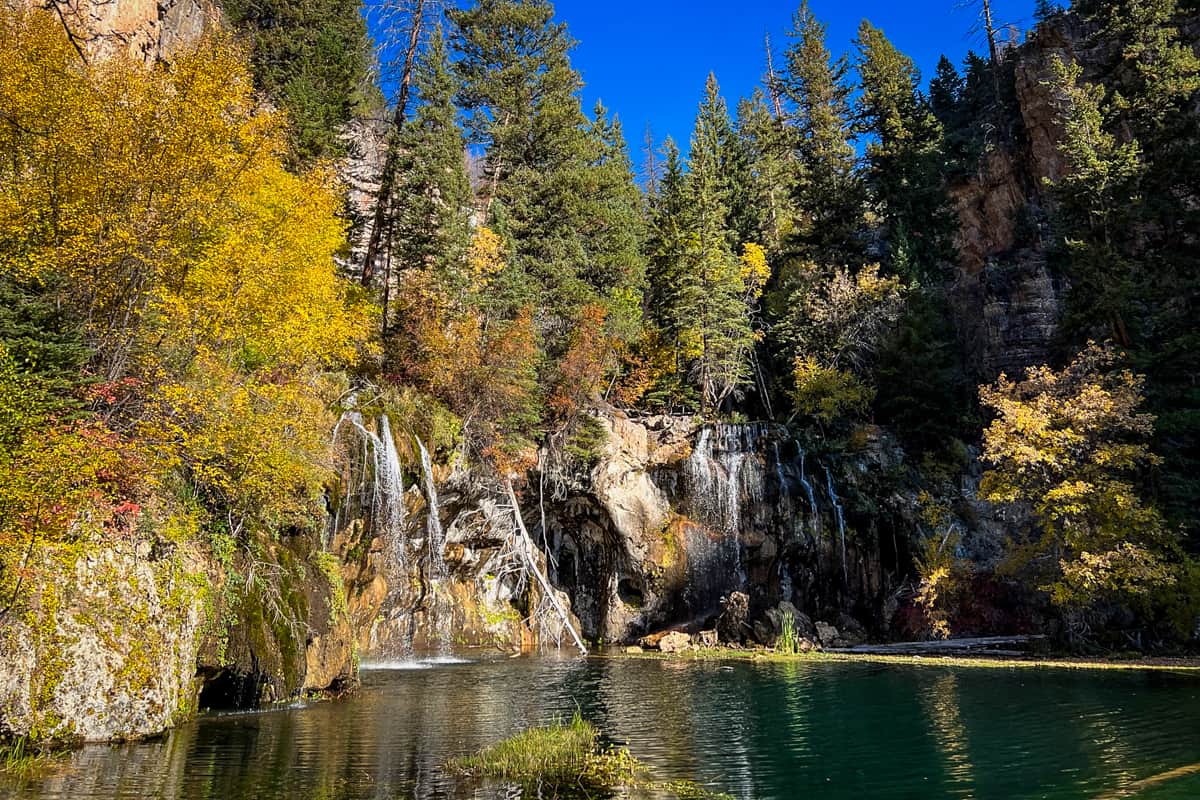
x: 146, y: 30
x: 107, y: 646
x: 122, y: 638
x: 1008, y: 302
x: 677, y: 518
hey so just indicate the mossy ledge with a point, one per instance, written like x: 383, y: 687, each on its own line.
x: 568, y: 759
x: 1189, y: 666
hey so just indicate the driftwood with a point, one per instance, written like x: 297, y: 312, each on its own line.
x: 987, y: 644
x: 524, y: 546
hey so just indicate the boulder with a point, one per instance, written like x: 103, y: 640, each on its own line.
x: 850, y: 631
x: 707, y: 638
x: 826, y: 633
x: 675, y: 642
x: 801, y: 622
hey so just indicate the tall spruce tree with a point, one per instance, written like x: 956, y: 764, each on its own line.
x: 711, y: 311
x: 616, y: 227
x: 768, y: 147
x: 522, y: 99
x: 904, y: 157
x: 829, y: 195
x: 433, y: 192
x: 313, y: 59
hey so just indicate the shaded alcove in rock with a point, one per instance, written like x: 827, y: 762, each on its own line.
x: 630, y: 592
x: 230, y: 690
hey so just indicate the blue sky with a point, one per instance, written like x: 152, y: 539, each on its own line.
x: 648, y: 60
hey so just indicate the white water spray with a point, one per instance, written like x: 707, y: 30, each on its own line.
x: 808, y: 489
x: 840, y: 516
x: 387, y: 488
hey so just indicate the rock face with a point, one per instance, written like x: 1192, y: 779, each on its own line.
x: 476, y: 590
x: 122, y: 639
x: 679, y: 519
x: 146, y: 30
x: 1007, y: 301
x: 108, y: 648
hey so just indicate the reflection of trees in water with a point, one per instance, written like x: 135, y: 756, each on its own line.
x: 941, y: 703
x: 757, y: 730
x: 686, y: 719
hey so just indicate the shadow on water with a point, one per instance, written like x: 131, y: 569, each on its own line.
x: 756, y: 731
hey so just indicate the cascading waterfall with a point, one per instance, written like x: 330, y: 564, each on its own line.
x: 433, y: 524
x: 840, y: 516
x: 435, y: 541
x: 724, y: 478
x: 783, y: 485
x: 387, y: 488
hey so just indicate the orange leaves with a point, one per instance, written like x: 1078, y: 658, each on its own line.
x: 485, y: 371
x: 582, y: 369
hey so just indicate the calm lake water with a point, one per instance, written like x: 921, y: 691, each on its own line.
x: 761, y: 731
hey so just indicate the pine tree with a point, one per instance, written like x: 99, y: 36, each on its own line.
x: 945, y: 92
x: 312, y: 58
x: 664, y: 244
x: 1129, y: 145
x: 711, y: 311
x: 772, y: 168
x: 615, y: 232
x: 828, y: 195
x: 433, y: 192
x: 905, y: 158
x: 1045, y: 9
x: 521, y: 96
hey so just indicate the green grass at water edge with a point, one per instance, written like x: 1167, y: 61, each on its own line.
x: 1189, y: 666
x: 19, y: 759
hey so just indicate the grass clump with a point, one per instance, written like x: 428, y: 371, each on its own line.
x: 19, y: 759
x: 789, y: 640
x: 569, y: 757
x: 557, y: 755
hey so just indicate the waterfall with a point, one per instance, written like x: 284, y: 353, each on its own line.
x: 808, y: 489
x: 387, y: 487
x: 700, y: 473
x: 440, y: 608
x: 433, y: 525
x: 779, y: 476
x: 840, y: 516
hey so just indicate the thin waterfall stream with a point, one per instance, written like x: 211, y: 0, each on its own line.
x: 840, y: 516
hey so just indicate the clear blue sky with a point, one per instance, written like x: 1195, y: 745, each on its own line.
x: 648, y: 59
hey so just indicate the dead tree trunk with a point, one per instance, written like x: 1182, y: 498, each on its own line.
x: 387, y: 179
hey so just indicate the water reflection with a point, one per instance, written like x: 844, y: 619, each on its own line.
x: 758, y: 731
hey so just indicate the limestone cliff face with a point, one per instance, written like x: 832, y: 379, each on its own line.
x: 147, y: 30
x: 677, y: 516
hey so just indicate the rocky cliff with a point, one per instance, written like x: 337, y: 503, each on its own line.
x: 673, y: 519
x: 1008, y: 300
x: 122, y: 638
x: 147, y: 30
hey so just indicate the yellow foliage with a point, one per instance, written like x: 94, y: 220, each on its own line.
x: 485, y: 257
x: 159, y: 195
x: 755, y: 271
x: 256, y: 447
x: 205, y: 270
x: 828, y: 393
x: 1068, y: 443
